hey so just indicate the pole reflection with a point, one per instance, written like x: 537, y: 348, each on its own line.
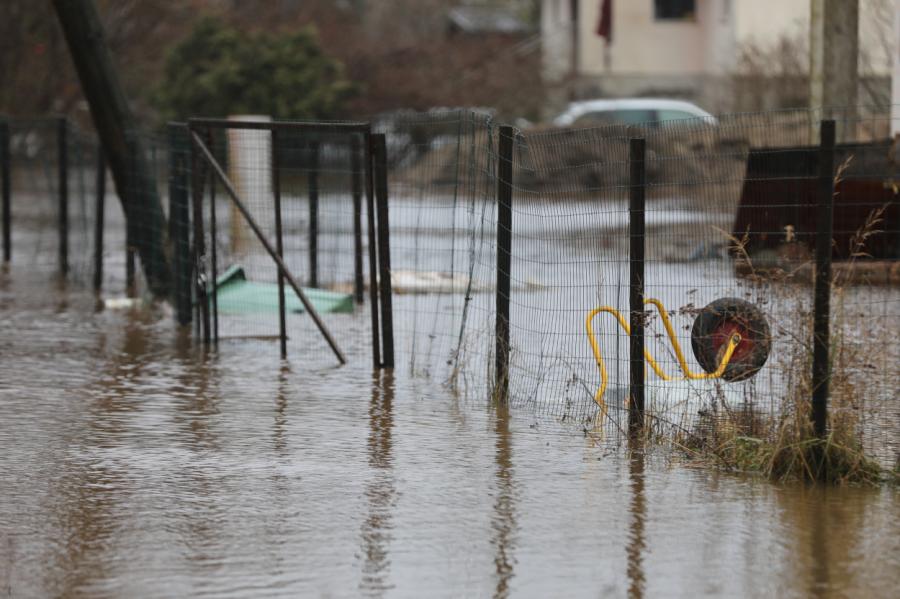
x: 278, y: 440
x: 637, y: 514
x: 380, y: 491
x: 90, y: 490
x: 823, y: 535
x: 820, y: 562
x: 198, y: 395
x: 504, y: 519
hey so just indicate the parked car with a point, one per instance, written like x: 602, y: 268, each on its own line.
x: 630, y: 111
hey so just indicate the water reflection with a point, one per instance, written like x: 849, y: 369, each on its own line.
x: 503, y: 522
x: 637, y: 515
x: 281, y: 401
x: 823, y: 558
x: 6, y: 288
x: 132, y: 465
x: 92, y: 487
x: 62, y: 298
x: 89, y: 494
x: 380, y: 491
x: 197, y: 402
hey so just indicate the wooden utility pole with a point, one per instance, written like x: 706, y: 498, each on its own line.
x: 117, y: 130
x: 834, y: 54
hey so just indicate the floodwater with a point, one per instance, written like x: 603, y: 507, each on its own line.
x: 132, y: 464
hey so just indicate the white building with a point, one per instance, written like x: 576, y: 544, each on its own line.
x: 693, y: 48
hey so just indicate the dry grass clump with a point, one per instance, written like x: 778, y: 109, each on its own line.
x: 783, y: 447
x: 780, y: 443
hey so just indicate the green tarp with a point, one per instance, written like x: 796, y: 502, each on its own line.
x: 237, y: 295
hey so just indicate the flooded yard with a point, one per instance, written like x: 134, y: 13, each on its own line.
x: 134, y: 464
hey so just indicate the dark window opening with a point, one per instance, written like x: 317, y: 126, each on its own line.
x: 674, y: 10
x: 627, y: 116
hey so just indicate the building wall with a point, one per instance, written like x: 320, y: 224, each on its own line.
x: 641, y: 45
x: 699, y: 59
x: 556, y: 38
x: 720, y: 18
x: 764, y: 22
x: 708, y: 45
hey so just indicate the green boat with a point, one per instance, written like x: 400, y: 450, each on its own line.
x: 237, y: 295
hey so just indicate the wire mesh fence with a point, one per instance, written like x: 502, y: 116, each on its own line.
x: 52, y: 166
x: 298, y: 192
x: 731, y: 208
x: 731, y: 213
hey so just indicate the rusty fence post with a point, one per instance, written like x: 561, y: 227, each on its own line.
x: 356, y: 183
x: 373, y: 251
x: 821, y: 370
x: 199, y: 249
x: 179, y: 224
x: 637, y: 244
x: 504, y: 262
x: 279, y: 242
x: 384, y: 250
x: 313, y: 187
x: 213, y: 247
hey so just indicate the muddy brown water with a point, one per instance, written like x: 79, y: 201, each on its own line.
x: 134, y: 465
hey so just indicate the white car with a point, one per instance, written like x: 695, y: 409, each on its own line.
x: 630, y: 111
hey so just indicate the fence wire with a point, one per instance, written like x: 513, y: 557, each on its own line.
x: 730, y: 213
x: 38, y: 150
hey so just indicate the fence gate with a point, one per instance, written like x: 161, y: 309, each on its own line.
x: 277, y: 211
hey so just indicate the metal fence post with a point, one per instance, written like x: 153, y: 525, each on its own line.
x: 504, y: 262
x: 313, y: 183
x: 63, y: 190
x: 179, y: 227
x: 821, y: 370
x: 279, y: 242
x: 373, y: 253
x: 636, y: 230
x: 98, y: 223
x: 6, y: 174
x: 199, y: 257
x: 356, y: 184
x: 130, y: 268
x: 213, y: 247
x: 384, y: 250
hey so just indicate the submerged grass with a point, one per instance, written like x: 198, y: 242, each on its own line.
x: 787, y: 451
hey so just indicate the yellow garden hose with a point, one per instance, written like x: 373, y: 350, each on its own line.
x: 670, y: 331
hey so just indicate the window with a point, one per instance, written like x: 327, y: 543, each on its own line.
x: 674, y: 10
x: 676, y: 115
x: 625, y: 116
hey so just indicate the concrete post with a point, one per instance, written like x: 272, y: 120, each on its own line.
x: 249, y: 169
x: 834, y: 54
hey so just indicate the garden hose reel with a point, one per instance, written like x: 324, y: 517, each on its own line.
x: 730, y: 339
